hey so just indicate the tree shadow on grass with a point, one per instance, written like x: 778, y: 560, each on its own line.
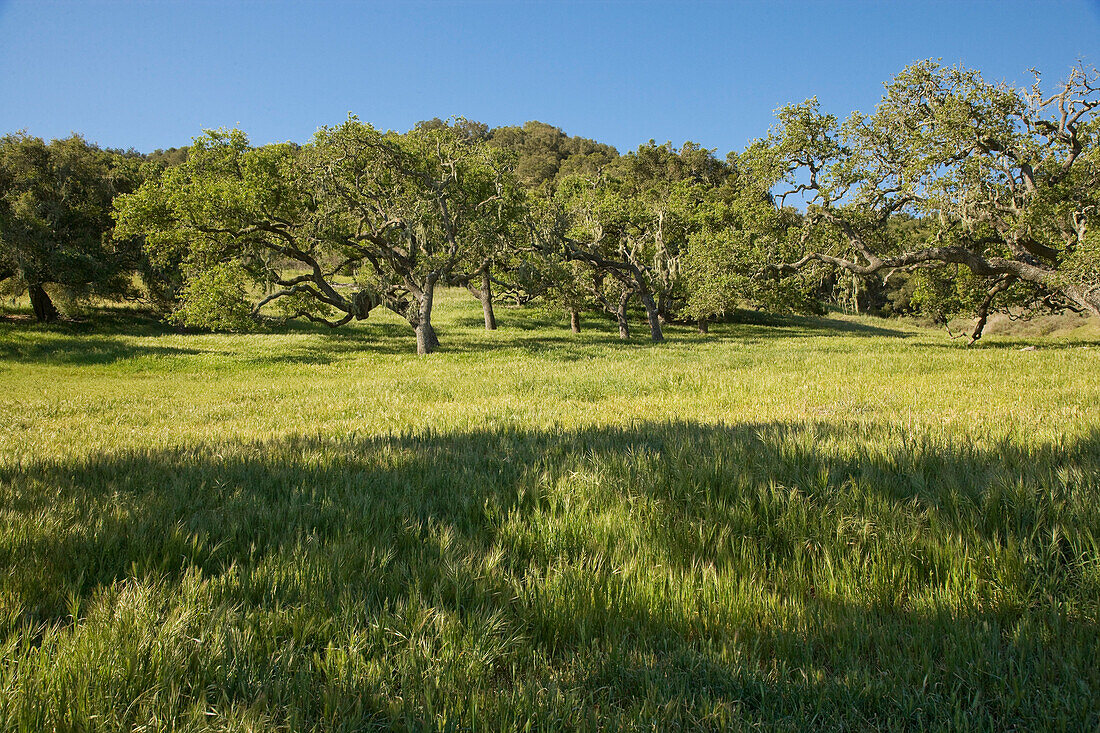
x: 600, y: 334
x: 97, y: 343
x: 102, y: 320
x: 602, y: 548
x: 817, y: 324
x: 739, y: 477
x: 854, y: 666
x: 1039, y: 343
x: 91, y: 341
x: 60, y: 348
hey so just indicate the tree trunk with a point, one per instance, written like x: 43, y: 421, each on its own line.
x: 620, y: 316
x: 426, y: 341
x: 575, y: 320
x: 44, y: 309
x: 486, y: 296
x: 652, y: 315
x: 703, y: 325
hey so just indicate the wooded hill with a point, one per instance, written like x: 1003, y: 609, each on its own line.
x: 955, y: 196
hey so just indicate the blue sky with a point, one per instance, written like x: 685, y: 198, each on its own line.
x: 154, y: 74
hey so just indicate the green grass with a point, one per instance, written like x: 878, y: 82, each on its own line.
x: 815, y: 524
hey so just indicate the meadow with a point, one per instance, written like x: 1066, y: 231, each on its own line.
x: 789, y: 524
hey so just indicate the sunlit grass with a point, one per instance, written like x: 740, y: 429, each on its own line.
x: 813, y: 524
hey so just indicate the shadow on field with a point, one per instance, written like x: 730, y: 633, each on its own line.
x: 535, y: 528
x: 858, y: 667
x: 816, y: 325
x: 1038, y: 343
x: 370, y: 337
x: 91, y: 341
x: 62, y: 348
x: 604, y: 330
x: 278, y: 493
x: 101, y: 321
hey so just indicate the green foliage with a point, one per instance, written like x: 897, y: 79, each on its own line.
x: 471, y: 131
x: 354, y: 219
x: 544, y: 153
x: 997, y: 185
x: 1081, y: 266
x: 635, y: 225
x: 168, y: 158
x: 298, y: 304
x: 215, y: 298
x: 730, y: 268
x: 186, y: 217
x: 55, y: 224
x: 1001, y: 181
x: 943, y: 294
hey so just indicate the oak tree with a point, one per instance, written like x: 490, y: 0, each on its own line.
x: 1009, y: 180
x: 55, y: 222
x: 328, y: 231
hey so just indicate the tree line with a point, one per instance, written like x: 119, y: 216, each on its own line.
x: 955, y: 196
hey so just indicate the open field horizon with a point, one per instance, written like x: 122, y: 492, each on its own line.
x: 830, y: 523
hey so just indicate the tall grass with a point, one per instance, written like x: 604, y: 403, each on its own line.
x: 815, y: 524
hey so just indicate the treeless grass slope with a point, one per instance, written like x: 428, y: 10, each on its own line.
x: 814, y: 524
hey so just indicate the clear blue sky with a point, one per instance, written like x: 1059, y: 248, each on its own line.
x: 154, y: 74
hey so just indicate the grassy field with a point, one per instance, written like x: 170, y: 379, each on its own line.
x: 820, y: 524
